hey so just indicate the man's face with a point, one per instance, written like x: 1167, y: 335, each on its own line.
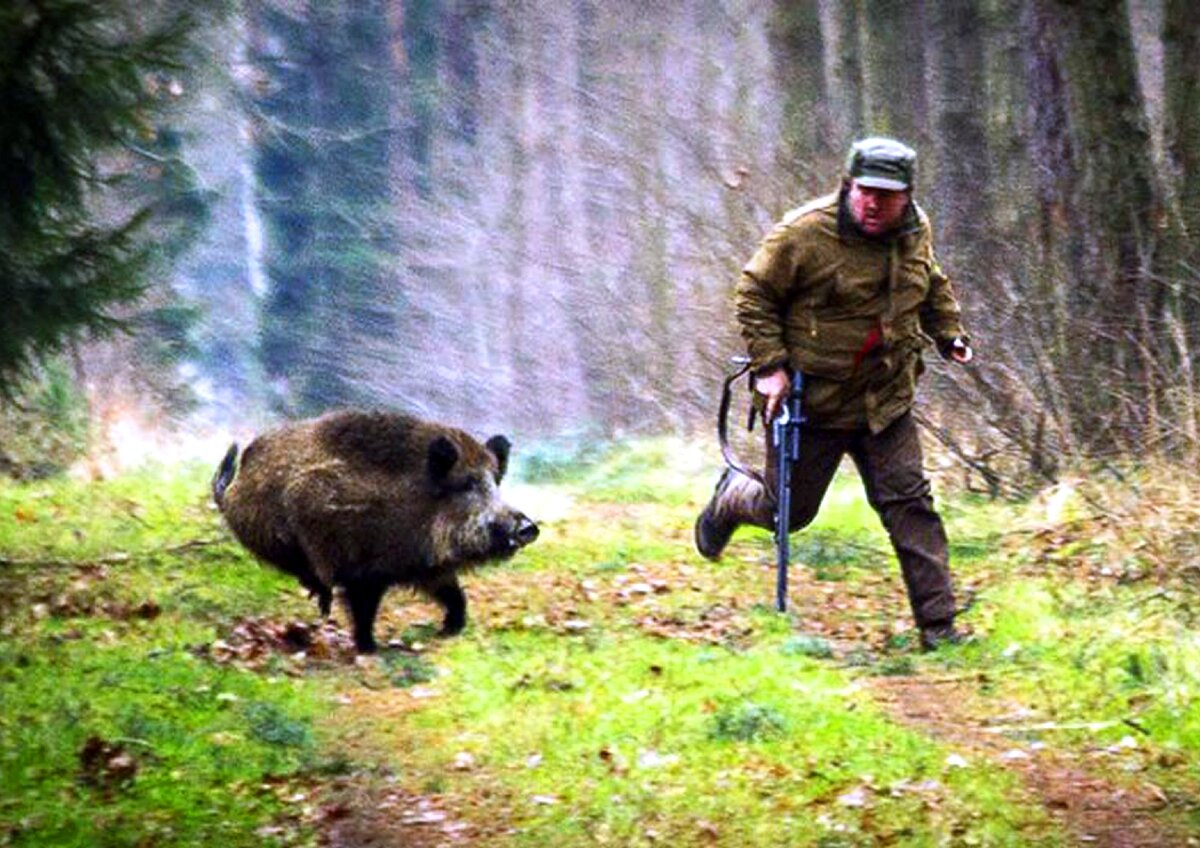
x: 876, y: 210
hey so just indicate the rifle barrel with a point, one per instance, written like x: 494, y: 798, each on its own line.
x: 783, y: 511
x: 786, y: 434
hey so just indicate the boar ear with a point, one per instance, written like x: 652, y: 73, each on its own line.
x: 442, y: 456
x: 500, y: 446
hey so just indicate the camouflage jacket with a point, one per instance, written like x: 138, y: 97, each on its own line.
x: 852, y: 313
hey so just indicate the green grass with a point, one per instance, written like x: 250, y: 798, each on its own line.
x: 203, y: 741
x: 1119, y: 659
x: 99, y: 643
x: 660, y: 470
x: 77, y: 520
x: 624, y: 740
x: 1092, y: 665
x: 612, y: 687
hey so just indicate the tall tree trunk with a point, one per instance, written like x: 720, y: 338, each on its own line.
x: 1181, y: 67
x: 799, y: 57
x: 1181, y: 84
x: 1051, y: 341
x: 962, y: 213
x: 1119, y: 199
x: 894, y: 70
x: 843, y: 58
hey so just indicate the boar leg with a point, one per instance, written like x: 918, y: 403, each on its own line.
x: 323, y: 594
x: 364, y: 596
x: 450, y: 595
x: 297, y: 561
x: 324, y: 600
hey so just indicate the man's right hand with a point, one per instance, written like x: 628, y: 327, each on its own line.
x: 773, y: 385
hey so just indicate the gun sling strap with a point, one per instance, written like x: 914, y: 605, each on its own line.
x: 731, y: 459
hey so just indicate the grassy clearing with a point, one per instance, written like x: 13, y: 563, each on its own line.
x: 182, y: 754
x: 612, y: 688
x: 113, y: 729
x: 1124, y: 658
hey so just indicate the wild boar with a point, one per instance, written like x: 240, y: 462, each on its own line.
x: 370, y: 500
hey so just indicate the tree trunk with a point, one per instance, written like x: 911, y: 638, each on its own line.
x: 1181, y: 68
x: 799, y: 59
x: 894, y: 71
x: 841, y: 21
x: 1181, y: 86
x: 1120, y: 203
x: 962, y: 213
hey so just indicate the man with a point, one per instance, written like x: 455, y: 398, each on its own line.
x: 847, y: 291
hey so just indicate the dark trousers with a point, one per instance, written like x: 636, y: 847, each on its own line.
x: 890, y: 465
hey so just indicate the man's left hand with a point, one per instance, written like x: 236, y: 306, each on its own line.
x: 961, y: 352
x: 957, y: 349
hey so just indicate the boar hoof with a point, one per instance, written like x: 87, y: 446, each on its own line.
x: 454, y: 603
x: 324, y: 601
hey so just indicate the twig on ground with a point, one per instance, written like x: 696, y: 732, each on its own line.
x: 1051, y: 725
x: 107, y: 559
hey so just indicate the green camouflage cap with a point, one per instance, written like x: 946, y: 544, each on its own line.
x: 879, y: 162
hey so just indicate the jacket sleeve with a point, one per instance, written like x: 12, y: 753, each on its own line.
x: 941, y: 316
x: 763, y: 294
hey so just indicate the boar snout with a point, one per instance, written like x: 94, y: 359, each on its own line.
x: 510, y: 536
x: 527, y: 531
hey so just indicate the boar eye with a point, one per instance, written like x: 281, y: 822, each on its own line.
x: 463, y: 486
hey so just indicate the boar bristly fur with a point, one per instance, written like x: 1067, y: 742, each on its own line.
x: 369, y: 500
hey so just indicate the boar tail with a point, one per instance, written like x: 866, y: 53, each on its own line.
x: 225, y: 474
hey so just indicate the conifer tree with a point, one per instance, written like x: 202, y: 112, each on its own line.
x: 79, y: 92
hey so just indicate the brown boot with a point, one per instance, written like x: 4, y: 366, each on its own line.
x: 716, y: 523
x: 935, y: 636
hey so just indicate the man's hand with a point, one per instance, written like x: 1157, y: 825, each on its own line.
x: 957, y: 350
x: 773, y: 385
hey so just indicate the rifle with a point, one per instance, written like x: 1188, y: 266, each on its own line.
x: 785, y: 436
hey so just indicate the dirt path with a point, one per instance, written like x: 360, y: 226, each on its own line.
x: 1092, y: 809
x: 383, y: 819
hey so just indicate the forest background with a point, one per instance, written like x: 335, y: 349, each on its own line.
x: 530, y: 216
